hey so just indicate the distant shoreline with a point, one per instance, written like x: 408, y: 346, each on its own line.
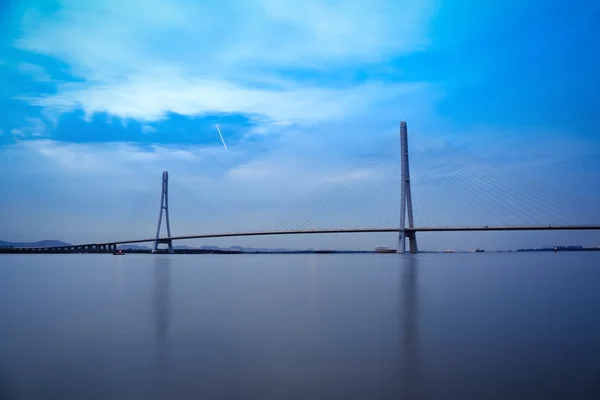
x: 25, y: 250
x: 29, y: 248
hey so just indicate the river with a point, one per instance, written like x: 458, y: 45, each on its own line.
x: 327, y: 326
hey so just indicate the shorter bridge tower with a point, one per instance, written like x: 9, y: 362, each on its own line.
x: 405, y: 197
x: 164, y: 206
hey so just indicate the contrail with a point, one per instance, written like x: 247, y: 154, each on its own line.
x: 218, y: 130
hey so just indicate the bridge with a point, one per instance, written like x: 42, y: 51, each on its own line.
x: 409, y: 232
x: 406, y: 228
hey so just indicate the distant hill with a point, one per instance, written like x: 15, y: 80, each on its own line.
x: 217, y: 248
x: 41, y: 243
x: 55, y: 243
x: 133, y: 247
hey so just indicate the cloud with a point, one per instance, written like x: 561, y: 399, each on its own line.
x: 30, y: 128
x: 227, y: 33
x: 35, y: 71
x: 150, y: 100
x: 258, y: 169
x: 142, y: 60
x: 74, y: 158
x: 35, y: 126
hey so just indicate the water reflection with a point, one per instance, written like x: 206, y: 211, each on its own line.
x: 312, y: 281
x: 410, y: 377
x: 371, y: 335
x: 6, y: 388
x: 162, y: 271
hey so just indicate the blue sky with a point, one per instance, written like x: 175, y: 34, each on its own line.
x: 99, y: 97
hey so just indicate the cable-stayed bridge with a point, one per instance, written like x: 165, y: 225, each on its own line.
x: 438, y: 191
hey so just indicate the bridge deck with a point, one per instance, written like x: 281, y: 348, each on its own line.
x: 355, y: 230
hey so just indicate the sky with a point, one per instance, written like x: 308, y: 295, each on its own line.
x: 98, y: 98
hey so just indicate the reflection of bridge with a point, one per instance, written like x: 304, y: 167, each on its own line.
x: 404, y: 230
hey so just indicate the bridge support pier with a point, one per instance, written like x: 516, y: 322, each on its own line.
x: 412, y: 242
x: 168, y: 242
x: 413, y: 247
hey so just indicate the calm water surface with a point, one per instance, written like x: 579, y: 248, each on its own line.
x: 372, y: 326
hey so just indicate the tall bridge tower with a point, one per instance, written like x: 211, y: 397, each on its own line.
x: 164, y: 206
x: 405, y: 197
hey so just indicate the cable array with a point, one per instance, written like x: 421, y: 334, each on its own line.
x: 366, y: 196
x: 138, y: 221
x: 192, y: 214
x: 450, y: 187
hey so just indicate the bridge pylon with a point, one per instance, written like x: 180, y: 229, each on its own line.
x: 405, y: 198
x: 164, y: 206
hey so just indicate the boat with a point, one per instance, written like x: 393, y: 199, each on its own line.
x: 118, y: 253
x: 479, y: 251
x: 384, y: 249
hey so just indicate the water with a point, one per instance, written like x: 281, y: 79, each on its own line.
x: 371, y: 326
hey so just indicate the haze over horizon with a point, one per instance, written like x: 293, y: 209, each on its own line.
x: 101, y: 97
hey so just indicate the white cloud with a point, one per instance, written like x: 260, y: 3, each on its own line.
x: 146, y: 99
x: 174, y: 153
x: 92, y: 158
x: 257, y: 169
x: 35, y: 71
x: 33, y: 127
x: 228, y: 33
x: 142, y: 59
